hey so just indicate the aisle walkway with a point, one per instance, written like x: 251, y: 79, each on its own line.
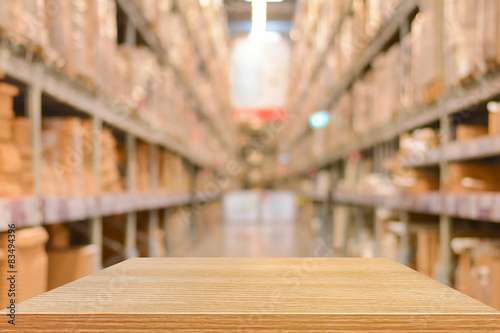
x: 259, y: 239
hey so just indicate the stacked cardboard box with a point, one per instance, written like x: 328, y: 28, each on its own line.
x: 427, y: 256
x: 24, y: 21
x: 412, y: 149
x: 178, y: 232
x: 31, y: 265
x: 469, y: 132
x: 59, y: 236
x: 72, y: 263
x: 461, y: 40
x: 488, y: 33
x: 478, y: 269
x: 174, y: 176
x: 209, y: 217
x: 427, y: 75
x: 111, y: 180
x: 142, y: 168
x: 63, y: 158
x: 22, y: 137
x: 472, y: 177
x: 137, y: 69
x: 16, y: 175
x: 494, y: 121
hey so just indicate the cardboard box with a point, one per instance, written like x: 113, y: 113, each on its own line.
x: 494, y: 123
x: 59, y: 236
x: 469, y: 132
x: 11, y: 185
x: 427, y: 256
x: 5, y: 130
x: 495, y: 283
x: 21, y: 129
x: 463, y: 281
x: 67, y: 265
x: 7, y: 94
x: 424, y: 185
x: 472, y: 177
x: 31, y: 265
x: 10, y: 158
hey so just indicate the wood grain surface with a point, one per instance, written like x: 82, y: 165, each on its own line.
x: 255, y: 295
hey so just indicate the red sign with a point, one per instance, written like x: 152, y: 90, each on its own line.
x: 262, y: 114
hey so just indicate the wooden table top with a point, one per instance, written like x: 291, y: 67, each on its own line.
x: 256, y: 294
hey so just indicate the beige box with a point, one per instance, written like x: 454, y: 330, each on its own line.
x: 5, y: 130
x: 469, y: 132
x: 494, y: 123
x: 31, y: 265
x: 67, y: 265
x: 10, y: 158
x: 472, y: 177
x: 427, y: 252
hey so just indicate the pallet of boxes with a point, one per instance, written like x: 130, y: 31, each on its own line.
x: 16, y: 179
x: 67, y: 262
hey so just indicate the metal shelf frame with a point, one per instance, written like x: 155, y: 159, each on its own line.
x: 139, y: 22
x: 40, y: 78
x: 374, y: 47
x: 452, y: 102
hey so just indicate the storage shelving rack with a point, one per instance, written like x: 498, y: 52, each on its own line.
x: 38, y: 78
x: 451, y: 103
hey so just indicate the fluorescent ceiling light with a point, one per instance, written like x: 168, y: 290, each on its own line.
x: 259, y: 17
x: 319, y: 119
x: 266, y: 0
x: 259, y: 22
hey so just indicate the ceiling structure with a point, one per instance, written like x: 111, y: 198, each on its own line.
x: 279, y: 15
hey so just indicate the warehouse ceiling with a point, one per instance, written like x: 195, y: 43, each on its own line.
x: 239, y: 12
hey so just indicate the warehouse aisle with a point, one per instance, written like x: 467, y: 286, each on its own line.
x: 258, y: 239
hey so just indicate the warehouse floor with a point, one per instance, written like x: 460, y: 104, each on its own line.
x: 259, y: 239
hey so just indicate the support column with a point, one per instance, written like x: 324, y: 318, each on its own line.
x: 33, y: 101
x: 96, y: 236
x: 131, y: 226
x: 153, y: 214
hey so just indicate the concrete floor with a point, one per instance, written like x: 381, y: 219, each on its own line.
x: 260, y: 239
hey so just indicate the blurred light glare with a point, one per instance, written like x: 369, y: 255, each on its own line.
x: 259, y: 17
x: 319, y: 119
x: 493, y: 106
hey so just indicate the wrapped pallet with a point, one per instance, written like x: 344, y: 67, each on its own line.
x: 137, y: 74
x: 68, y: 33
x: 63, y: 157
x: 460, y: 42
x: 427, y: 69
x: 347, y: 44
x: 161, y: 25
x: 488, y: 34
x: 360, y: 110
